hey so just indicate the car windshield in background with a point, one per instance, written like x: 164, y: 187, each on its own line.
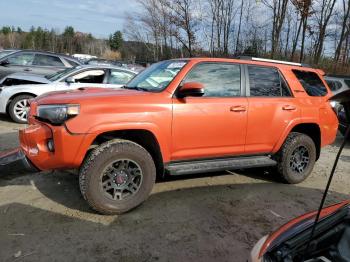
x: 157, y: 77
x: 347, y: 82
x: 60, y: 74
x: 311, y: 82
x: 5, y: 53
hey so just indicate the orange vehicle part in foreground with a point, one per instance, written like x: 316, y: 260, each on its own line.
x: 185, y: 129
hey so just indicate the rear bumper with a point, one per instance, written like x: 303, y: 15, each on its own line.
x: 15, y: 161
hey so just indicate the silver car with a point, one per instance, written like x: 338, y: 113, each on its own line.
x: 14, y: 99
x: 37, y: 62
x: 337, y: 84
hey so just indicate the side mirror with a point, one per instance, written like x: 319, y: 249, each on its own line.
x: 4, y: 63
x: 191, y: 89
x: 70, y: 80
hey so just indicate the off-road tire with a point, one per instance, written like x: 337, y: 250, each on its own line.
x: 92, y: 169
x: 11, y: 108
x: 283, y: 157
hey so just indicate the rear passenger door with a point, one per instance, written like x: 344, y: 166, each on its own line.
x: 46, y: 64
x: 271, y: 108
x: 213, y: 125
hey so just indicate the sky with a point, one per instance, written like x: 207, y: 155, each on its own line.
x: 99, y: 17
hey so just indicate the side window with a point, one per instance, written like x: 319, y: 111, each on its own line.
x: 311, y: 82
x: 267, y: 81
x: 90, y: 76
x: 219, y: 79
x: 334, y: 85
x: 47, y: 60
x: 21, y: 59
x: 118, y: 77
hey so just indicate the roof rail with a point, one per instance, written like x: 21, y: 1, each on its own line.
x: 272, y: 61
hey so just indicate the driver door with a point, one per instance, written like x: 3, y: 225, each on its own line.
x: 213, y: 125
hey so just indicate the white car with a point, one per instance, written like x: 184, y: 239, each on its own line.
x: 14, y: 99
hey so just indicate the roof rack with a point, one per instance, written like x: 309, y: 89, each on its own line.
x: 272, y: 61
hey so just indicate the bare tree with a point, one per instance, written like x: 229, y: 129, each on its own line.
x: 239, y: 27
x: 345, y: 26
x: 278, y: 8
x: 182, y: 16
x: 323, y: 11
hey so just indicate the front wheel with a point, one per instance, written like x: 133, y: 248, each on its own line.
x: 117, y: 176
x: 296, y: 158
x: 19, y: 108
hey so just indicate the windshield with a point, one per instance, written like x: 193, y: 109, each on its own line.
x: 157, y: 77
x: 5, y: 53
x: 60, y: 74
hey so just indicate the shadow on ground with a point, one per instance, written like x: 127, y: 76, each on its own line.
x: 210, y: 223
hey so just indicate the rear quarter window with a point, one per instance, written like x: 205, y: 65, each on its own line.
x: 311, y: 82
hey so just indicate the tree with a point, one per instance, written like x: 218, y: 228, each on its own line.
x: 323, y: 12
x: 182, y: 17
x: 345, y: 26
x: 303, y: 9
x: 239, y: 28
x: 279, y: 8
x: 116, y: 40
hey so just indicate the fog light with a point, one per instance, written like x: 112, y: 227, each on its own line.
x: 51, y: 145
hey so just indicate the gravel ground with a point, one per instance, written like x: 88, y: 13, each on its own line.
x: 209, y: 217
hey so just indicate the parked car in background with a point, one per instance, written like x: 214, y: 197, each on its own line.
x: 338, y: 83
x: 100, y: 61
x: 131, y: 66
x: 37, y: 62
x: 83, y: 57
x: 343, y: 121
x: 5, y: 52
x: 14, y: 99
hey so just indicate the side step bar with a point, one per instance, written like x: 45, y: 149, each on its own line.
x: 214, y: 165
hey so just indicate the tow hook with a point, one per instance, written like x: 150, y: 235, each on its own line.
x: 15, y: 161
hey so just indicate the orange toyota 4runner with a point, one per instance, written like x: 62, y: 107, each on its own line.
x: 179, y: 117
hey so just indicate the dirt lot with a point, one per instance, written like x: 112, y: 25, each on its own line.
x: 204, y: 218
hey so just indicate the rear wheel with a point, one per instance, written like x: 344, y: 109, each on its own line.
x: 117, y: 176
x: 19, y: 108
x: 296, y: 158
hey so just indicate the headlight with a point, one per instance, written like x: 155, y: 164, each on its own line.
x: 57, y: 114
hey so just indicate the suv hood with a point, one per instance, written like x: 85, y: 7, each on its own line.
x: 27, y: 77
x: 85, y: 95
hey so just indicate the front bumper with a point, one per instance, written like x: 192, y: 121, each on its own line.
x: 15, y: 161
x: 69, y: 149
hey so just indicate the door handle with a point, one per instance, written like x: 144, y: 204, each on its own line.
x: 289, y: 108
x: 238, y: 109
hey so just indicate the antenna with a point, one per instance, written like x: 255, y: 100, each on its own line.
x: 344, y: 99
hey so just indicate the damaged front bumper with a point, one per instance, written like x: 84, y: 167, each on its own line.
x: 15, y: 161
